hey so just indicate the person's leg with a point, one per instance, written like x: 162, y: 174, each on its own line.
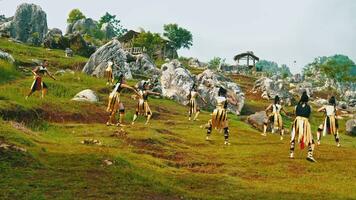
x: 282, y: 132
x: 318, y: 134
x: 149, y: 115
x: 336, y: 135
x: 196, y: 115
x: 134, y: 117
x: 111, y: 118
x: 208, y: 130
x: 44, y: 92
x: 265, y: 125
x: 292, y: 141
x: 226, y: 136
x: 310, y: 152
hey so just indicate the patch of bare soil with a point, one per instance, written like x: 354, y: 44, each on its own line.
x: 91, y: 114
x: 199, y: 167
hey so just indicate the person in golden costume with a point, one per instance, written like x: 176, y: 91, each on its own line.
x: 143, y: 108
x: 301, y: 130
x: 275, y: 117
x: 330, y: 125
x: 115, y: 104
x: 219, y: 120
x: 109, y: 74
x: 193, y: 105
x: 38, y: 84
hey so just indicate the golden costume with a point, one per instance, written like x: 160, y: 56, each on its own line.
x: 143, y: 108
x: 109, y: 74
x: 219, y: 119
x: 301, y: 131
x: 330, y: 124
x: 114, y: 103
x: 193, y: 105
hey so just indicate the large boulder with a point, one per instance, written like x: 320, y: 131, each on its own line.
x: 176, y: 81
x: 86, y: 95
x: 79, y: 45
x: 55, y: 40
x: 351, y: 127
x: 270, y: 88
x: 143, y: 65
x: 83, y: 26
x: 209, y: 83
x: 303, y: 87
x: 29, y: 24
x: 257, y: 119
x: 6, y: 56
x: 111, y: 51
x: 195, y: 63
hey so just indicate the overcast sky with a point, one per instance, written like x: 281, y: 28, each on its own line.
x: 277, y: 30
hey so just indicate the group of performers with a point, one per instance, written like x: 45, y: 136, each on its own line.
x: 301, y: 129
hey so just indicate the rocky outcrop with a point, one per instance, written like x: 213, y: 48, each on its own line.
x: 351, y: 127
x: 209, y: 83
x: 195, y: 63
x: 143, y: 65
x: 176, y: 81
x: 29, y: 24
x: 80, y: 46
x: 257, y: 120
x: 6, y: 56
x: 82, y: 26
x: 111, y: 51
x: 55, y: 40
x: 301, y: 87
x: 124, y: 62
x: 86, y: 95
x: 270, y: 88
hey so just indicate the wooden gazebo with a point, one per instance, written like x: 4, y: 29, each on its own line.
x: 248, y: 56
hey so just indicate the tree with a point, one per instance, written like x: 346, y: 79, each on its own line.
x: 75, y: 15
x: 339, y: 68
x: 271, y: 68
x: 115, y: 23
x: 215, y: 63
x: 179, y: 37
x: 152, y: 42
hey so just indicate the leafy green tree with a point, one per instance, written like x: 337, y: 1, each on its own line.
x: 215, y: 63
x: 339, y: 68
x: 115, y: 23
x: 178, y: 36
x: 75, y: 15
x: 271, y: 68
x: 152, y: 42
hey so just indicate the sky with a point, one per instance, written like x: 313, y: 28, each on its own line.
x: 282, y: 31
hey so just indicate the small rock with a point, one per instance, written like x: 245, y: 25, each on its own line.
x: 86, y: 95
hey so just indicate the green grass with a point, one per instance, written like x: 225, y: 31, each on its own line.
x: 8, y: 72
x: 169, y: 159
x: 25, y: 54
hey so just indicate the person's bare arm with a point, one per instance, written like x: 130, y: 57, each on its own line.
x: 130, y: 88
x: 154, y: 93
x: 50, y: 75
x: 202, y: 98
x: 268, y: 108
x: 322, y: 109
x: 34, y: 71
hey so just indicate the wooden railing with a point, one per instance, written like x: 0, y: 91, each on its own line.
x: 135, y: 50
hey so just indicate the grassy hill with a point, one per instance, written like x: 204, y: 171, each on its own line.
x: 169, y: 159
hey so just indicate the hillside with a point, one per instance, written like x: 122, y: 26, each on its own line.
x: 168, y: 159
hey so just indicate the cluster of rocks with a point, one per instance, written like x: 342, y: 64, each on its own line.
x: 195, y: 63
x: 11, y: 147
x: 124, y: 62
x: 177, y: 81
x: 272, y: 87
x: 173, y: 80
x: 7, y: 57
x: 91, y: 142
